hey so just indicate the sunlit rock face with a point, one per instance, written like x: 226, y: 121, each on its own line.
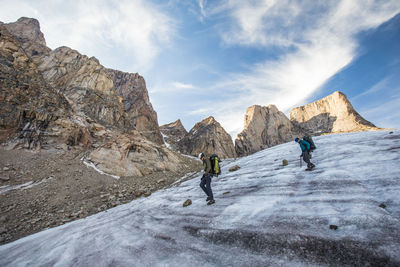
x: 110, y: 97
x: 264, y: 127
x: 60, y: 98
x: 331, y: 114
x: 28, y: 34
x: 132, y: 155
x: 208, y: 137
x: 140, y: 113
x: 29, y: 107
x: 173, y: 132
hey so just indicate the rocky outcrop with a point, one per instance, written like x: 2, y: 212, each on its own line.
x: 208, y: 137
x: 109, y: 97
x: 28, y: 105
x: 140, y: 112
x: 331, y: 114
x: 264, y: 127
x: 173, y: 133
x: 132, y: 155
x: 60, y: 98
x: 28, y: 34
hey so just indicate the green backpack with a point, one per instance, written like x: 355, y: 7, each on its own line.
x: 215, y: 168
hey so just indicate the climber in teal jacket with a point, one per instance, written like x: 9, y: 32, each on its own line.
x: 305, y: 149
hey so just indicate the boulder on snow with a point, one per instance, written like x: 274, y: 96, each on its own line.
x: 188, y: 202
x: 285, y: 162
x: 138, y: 193
x: 382, y: 205
x: 333, y: 227
x: 234, y: 168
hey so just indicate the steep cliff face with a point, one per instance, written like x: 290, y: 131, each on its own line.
x: 132, y: 88
x: 264, y: 127
x: 208, y: 137
x: 29, y: 107
x: 28, y: 34
x: 60, y: 98
x: 173, y: 133
x: 331, y: 114
x: 109, y: 97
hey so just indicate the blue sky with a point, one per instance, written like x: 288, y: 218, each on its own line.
x: 202, y: 58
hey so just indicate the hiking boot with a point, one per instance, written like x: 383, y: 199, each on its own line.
x: 208, y: 199
x: 212, y: 201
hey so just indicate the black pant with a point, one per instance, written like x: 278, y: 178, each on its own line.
x: 205, y: 184
x: 306, y: 158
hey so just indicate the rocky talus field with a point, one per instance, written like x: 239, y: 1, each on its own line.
x: 40, y: 190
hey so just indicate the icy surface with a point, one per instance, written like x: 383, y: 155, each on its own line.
x: 24, y: 186
x: 93, y: 166
x: 265, y: 214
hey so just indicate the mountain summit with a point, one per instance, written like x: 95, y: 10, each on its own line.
x: 331, y: 114
x: 264, y: 127
x: 208, y: 137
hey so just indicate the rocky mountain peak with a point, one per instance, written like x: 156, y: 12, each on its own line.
x: 331, y: 114
x: 208, y: 136
x: 27, y: 32
x: 61, y: 98
x: 173, y: 132
x: 209, y: 120
x: 264, y: 127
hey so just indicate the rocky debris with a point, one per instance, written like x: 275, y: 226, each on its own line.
x: 234, y: 168
x: 331, y: 114
x: 208, y: 137
x: 75, y: 190
x: 333, y: 227
x: 188, y: 202
x: 161, y: 181
x: 264, y: 127
x: 4, y: 178
x: 173, y: 132
x: 285, y: 162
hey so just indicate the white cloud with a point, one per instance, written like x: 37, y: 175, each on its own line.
x: 322, y: 41
x: 180, y: 85
x: 136, y: 29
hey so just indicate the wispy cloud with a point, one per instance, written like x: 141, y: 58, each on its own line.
x: 322, y: 40
x: 381, y: 85
x: 385, y: 114
x: 137, y: 28
x: 180, y: 85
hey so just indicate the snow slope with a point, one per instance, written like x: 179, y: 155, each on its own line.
x: 265, y: 214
